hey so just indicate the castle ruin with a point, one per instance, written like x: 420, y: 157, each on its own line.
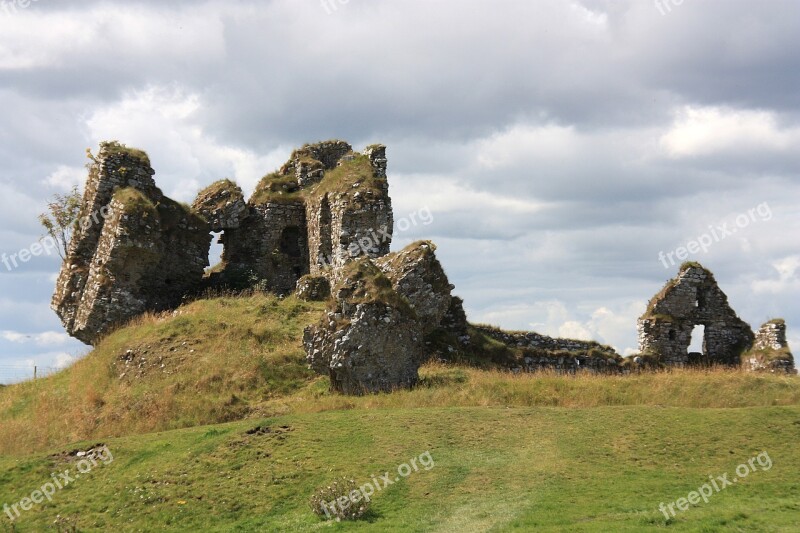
x: 321, y: 227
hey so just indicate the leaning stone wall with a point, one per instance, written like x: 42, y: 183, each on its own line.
x: 150, y: 253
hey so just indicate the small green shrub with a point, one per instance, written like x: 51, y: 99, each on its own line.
x: 341, y: 500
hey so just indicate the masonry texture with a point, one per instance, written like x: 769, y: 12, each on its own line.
x: 771, y: 350
x: 540, y: 352
x: 141, y: 251
x: 133, y: 250
x: 326, y: 206
x: 693, y: 299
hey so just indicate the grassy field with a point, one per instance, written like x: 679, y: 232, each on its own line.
x: 494, y: 469
x: 232, y: 433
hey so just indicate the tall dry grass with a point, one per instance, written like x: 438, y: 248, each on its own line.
x: 453, y: 386
x: 231, y: 358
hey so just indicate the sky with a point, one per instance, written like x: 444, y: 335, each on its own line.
x: 565, y: 156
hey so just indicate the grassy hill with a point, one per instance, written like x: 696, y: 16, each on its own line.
x: 215, y: 424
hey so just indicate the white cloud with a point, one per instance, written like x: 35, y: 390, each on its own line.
x: 162, y: 120
x: 709, y: 130
x: 788, y: 277
x: 45, y: 338
x: 522, y: 143
x: 443, y: 195
x: 63, y: 360
x: 575, y: 330
x: 36, y: 37
x: 66, y: 177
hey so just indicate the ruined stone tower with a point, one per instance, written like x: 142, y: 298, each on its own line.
x: 326, y: 206
x: 692, y: 299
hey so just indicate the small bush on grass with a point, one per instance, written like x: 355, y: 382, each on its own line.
x: 341, y: 500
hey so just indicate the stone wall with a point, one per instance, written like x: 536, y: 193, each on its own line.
x: 770, y: 350
x: 693, y: 298
x: 138, y: 251
x: 353, y: 220
x: 327, y: 206
x: 222, y: 204
x: 540, y: 352
x: 270, y: 245
x: 370, y: 340
x: 771, y: 335
x: 419, y: 277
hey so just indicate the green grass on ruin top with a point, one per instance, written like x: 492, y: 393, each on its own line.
x: 344, y: 178
x: 350, y: 177
x: 373, y: 286
x: 134, y: 201
x: 220, y: 186
x: 277, y: 188
x: 117, y: 148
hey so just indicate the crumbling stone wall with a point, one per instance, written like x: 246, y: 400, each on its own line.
x: 541, y: 352
x: 352, y: 220
x: 313, y: 288
x: 771, y: 335
x: 327, y: 206
x: 771, y: 350
x: 693, y: 298
x: 372, y: 339
x: 419, y: 277
x: 270, y: 245
x: 222, y: 204
x: 134, y: 249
